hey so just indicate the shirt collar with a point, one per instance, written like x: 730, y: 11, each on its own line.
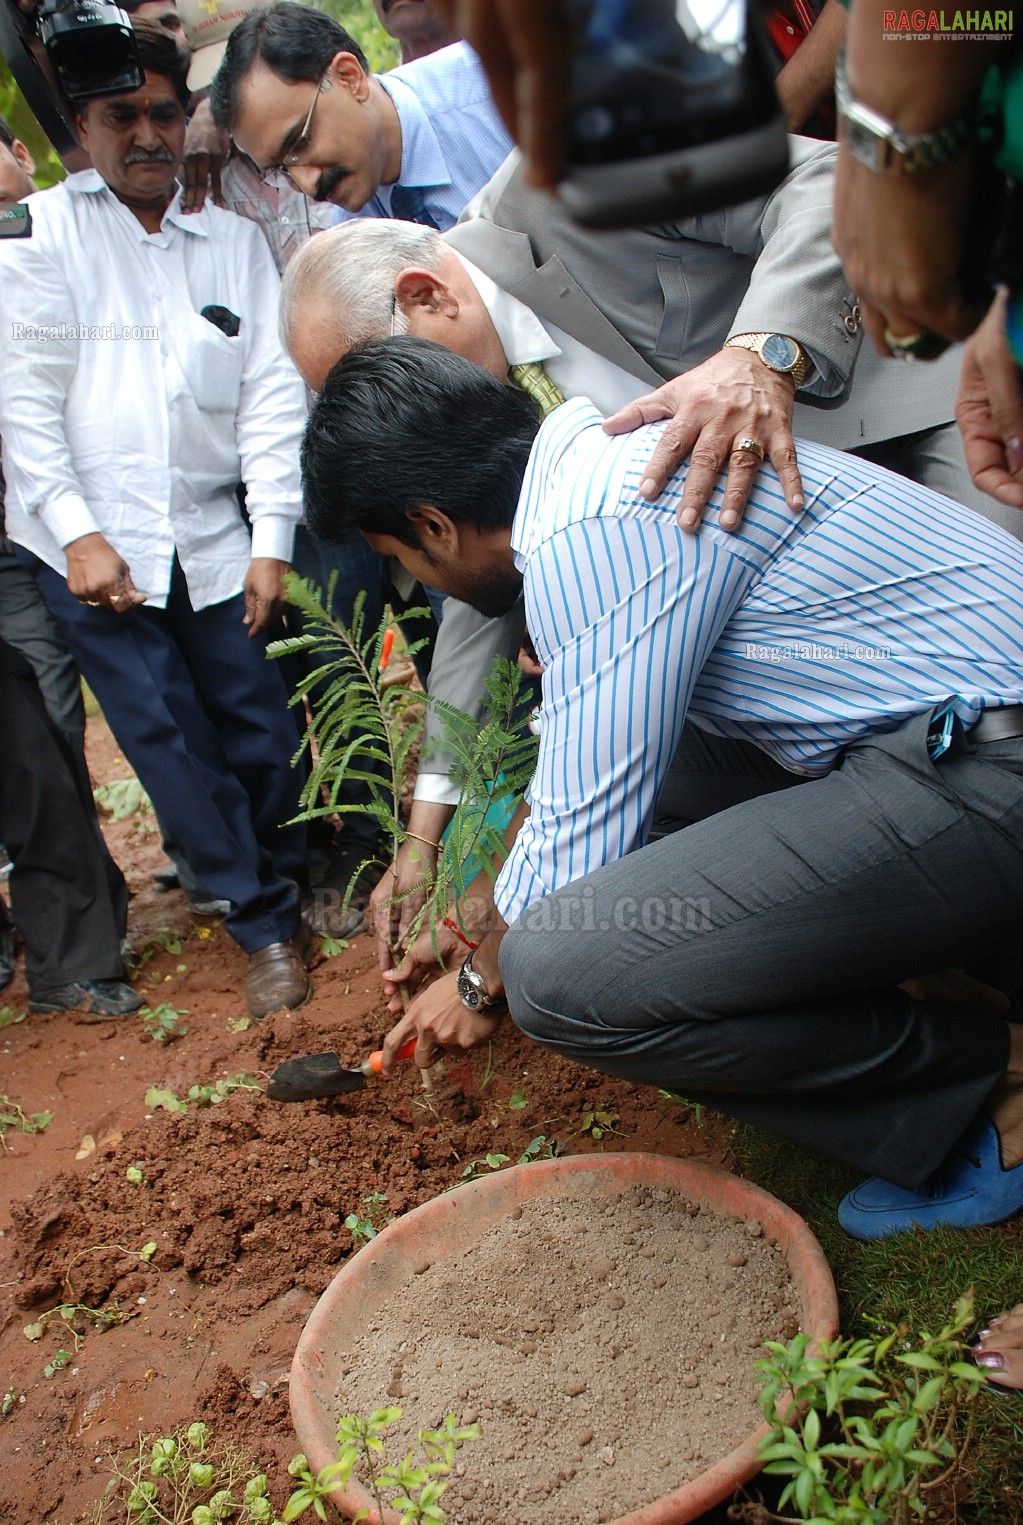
x: 522, y: 335
x: 89, y: 182
x: 422, y: 160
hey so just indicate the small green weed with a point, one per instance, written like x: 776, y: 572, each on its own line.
x: 12, y: 1117
x: 694, y: 1108
x: 9, y: 1402
x: 125, y: 797
x: 517, y: 1101
x: 597, y: 1123
x: 56, y: 1363
x: 330, y: 947
x: 9, y: 1017
x: 200, y: 1095
x: 162, y: 1023
x: 74, y: 1314
x: 415, y: 1487
x: 366, y: 1226
x: 186, y: 1478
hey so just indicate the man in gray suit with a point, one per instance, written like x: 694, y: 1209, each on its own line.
x: 613, y: 314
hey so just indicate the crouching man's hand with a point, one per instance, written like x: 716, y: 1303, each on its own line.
x: 440, y: 1021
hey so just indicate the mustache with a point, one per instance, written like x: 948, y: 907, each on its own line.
x: 330, y: 179
x: 158, y: 156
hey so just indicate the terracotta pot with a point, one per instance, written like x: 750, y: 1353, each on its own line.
x: 452, y: 1223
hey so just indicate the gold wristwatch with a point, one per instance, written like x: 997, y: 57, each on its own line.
x: 777, y: 351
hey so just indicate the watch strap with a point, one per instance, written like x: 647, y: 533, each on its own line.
x: 755, y: 343
x: 880, y: 145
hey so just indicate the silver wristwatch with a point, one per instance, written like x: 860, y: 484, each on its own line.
x: 471, y: 990
x: 879, y: 145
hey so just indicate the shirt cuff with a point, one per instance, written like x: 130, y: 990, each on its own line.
x: 436, y: 789
x: 273, y: 535
x: 68, y: 518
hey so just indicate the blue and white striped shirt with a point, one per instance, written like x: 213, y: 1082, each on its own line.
x: 452, y: 138
x: 880, y: 601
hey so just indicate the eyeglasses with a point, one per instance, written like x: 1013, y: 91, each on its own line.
x: 273, y: 173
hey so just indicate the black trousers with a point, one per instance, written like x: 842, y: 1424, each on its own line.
x: 751, y: 960
x: 68, y: 897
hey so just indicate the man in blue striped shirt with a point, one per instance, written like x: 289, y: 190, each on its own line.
x: 853, y: 683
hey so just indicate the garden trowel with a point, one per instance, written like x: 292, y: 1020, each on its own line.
x: 317, y: 1075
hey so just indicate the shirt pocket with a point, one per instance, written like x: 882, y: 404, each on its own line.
x: 212, y: 366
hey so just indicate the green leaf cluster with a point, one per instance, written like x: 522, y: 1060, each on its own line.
x: 200, y: 1095
x: 412, y: 1485
x: 364, y: 729
x: 865, y: 1428
x: 12, y: 1116
x: 187, y: 1478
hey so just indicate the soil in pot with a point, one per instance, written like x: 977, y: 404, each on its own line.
x: 606, y: 1351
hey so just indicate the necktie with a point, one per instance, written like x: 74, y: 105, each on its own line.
x: 537, y: 385
x: 409, y: 203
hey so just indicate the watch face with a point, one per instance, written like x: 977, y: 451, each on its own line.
x: 468, y: 993
x: 779, y: 352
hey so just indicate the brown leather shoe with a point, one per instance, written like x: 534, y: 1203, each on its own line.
x: 278, y: 976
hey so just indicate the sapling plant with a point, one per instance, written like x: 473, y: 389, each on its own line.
x: 865, y: 1429
x: 413, y: 1487
x: 364, y: 727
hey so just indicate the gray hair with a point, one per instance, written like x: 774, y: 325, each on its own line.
x: 351, y: 270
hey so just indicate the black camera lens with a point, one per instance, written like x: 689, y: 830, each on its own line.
x: 91, y: 45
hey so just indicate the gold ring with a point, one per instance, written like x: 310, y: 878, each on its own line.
x: 115, y: 598
x: 923, y: 345
x: 753, y: 446
x: 92, y: 603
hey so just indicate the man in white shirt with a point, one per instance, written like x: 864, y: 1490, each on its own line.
x: 142, y: 381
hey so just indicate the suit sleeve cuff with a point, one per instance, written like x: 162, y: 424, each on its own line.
x: 436, y: 789
x: 68, y: 518
x: 273, y: 536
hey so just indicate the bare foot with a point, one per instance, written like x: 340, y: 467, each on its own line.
x: 1005, y: 1104
x: 1000, y: 1349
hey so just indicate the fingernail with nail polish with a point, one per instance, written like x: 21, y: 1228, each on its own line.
x: 1014, y: 454
x: 991, y: 1360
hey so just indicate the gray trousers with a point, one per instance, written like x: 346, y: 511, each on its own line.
x: 750, y: 960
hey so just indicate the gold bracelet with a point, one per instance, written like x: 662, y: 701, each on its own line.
x: 425, y: 841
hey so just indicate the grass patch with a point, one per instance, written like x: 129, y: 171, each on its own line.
x: 911, y: 1279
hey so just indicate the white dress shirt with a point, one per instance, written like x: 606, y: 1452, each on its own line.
x: 126, y: 412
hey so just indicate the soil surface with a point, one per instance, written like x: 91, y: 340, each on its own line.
x: 613, y: 1346
x: 244, y: 1200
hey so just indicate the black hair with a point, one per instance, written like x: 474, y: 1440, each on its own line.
x: 160, y: 53
x: 405, y: 422
x: 6, y: 135
x: 296, y: 42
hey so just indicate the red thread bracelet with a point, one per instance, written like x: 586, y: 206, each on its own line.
x: 454, y: 927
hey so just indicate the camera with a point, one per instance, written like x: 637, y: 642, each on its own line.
x: 91, y: 46
x: 672, y: 112
x: 70, y: 51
